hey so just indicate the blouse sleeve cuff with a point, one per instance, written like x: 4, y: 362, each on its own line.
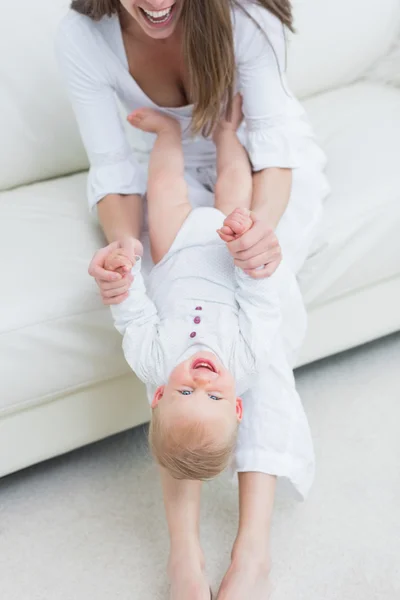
x: 256, y: 286
x: 272, y: 147
x: 123, y: 177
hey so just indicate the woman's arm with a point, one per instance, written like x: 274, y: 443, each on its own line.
x: 271, y: 193
x: 121, y: 219
x: 272, y: 144
x: 120, y: 216
x: 115, y: 183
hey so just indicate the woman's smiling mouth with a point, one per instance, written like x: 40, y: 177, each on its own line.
x: 158, y: 17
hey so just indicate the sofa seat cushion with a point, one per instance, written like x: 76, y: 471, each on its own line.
x: 55, y: 335
x: 359, y: 241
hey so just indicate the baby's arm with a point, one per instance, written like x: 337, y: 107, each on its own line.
x: 234, y: 184
x: 137, y: 320
x: 259, y: 319
x: 258, y: 300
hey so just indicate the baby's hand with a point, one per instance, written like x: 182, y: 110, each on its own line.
x: 235, y: 225
x: 119, y: 261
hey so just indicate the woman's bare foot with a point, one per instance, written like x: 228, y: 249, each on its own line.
x: 247, y: 577
x: 153, y: 121
x: 236, y: 224
x: 187, y: 576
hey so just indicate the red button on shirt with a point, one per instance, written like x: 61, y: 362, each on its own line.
x: 199, y: 308
x: 197, y: 320
x: 193, y: 334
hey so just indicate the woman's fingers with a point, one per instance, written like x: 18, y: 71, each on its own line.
x: 101, y: 274
x: 256, y: 234
x: 96, y: 268
x: 106, y: 286
x: 116, y: 300
x: 259, y: 260
x: 225, y: 237
x: 264, y: 245
x: 267, y: 271
x: 114, y: 292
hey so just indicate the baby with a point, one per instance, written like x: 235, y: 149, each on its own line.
x: 203, y: 328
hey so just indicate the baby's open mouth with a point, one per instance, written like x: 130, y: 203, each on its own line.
x: 158, y: 17
x: 201, y: 363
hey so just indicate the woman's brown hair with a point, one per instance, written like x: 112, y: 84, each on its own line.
x: 208, y: 49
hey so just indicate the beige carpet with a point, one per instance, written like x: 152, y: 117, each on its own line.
x: 89, y: 526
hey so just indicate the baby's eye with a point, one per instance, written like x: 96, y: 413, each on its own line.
x: 185, y: 392
x: 214, y: 397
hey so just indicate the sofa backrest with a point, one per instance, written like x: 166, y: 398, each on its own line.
x: 337, y: 41
x: 39, y: 137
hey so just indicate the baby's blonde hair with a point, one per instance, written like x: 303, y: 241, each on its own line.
x: 187, y: 449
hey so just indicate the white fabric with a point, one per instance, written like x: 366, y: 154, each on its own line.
x: 38, y: 132
x: 238, y: 317
x: 359, y: 127
x: 387, y: 69
x: 97, y: 515
x: 94, y: 64
x: 353, y: 319
x: 61, y: 329
x: 274, y: 436
x: 338, y: 41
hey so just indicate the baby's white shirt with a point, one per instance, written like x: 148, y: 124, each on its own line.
x: 197, y: 300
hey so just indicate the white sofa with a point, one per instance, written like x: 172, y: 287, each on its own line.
x: 63, y: 380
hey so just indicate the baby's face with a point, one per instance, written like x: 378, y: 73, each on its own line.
x: 203, y: 385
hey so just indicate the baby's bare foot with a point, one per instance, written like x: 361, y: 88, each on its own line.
x: 236, y: 224
x: 153, y: 121
x: 246, y: 578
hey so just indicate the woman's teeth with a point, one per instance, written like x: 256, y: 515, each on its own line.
x: 158, y: 16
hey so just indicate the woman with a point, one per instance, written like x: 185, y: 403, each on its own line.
x: 187, y: 58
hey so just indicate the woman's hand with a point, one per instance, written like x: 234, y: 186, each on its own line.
x: 113, y: 285
x: 257, y: 251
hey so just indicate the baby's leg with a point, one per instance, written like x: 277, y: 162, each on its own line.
x: 167, y: 194
x: 234, y: 181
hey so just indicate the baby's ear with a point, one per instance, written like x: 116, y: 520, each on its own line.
x: 157, y: 396
x: 239, y: 409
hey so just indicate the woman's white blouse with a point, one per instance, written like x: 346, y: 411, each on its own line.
x: 94, y: 64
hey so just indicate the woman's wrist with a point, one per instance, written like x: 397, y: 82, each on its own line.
x: 271, y: 193
x: 270, y: 214
x: 121, y: 217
